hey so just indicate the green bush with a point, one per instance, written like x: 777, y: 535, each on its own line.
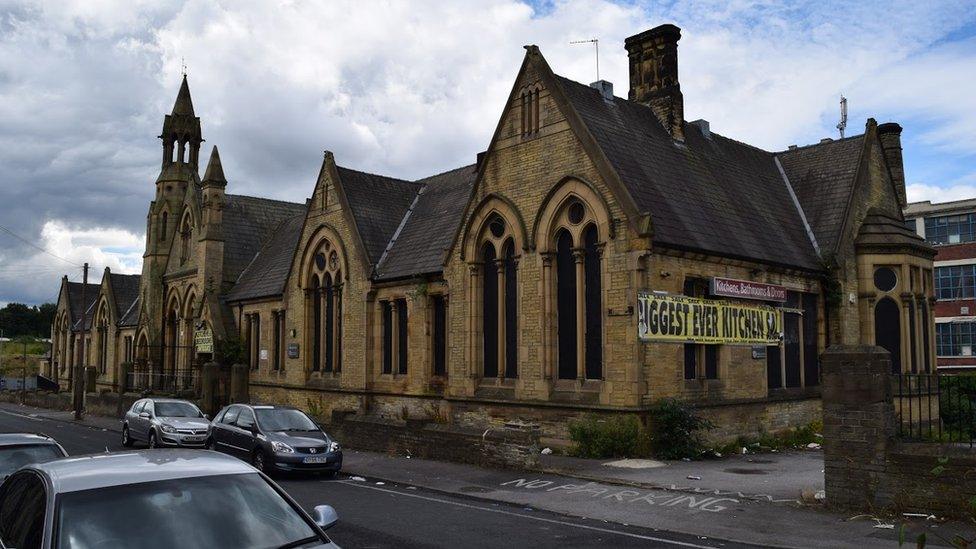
x: 598, y: 437
x: 957, y: 405
x: 676, y: 430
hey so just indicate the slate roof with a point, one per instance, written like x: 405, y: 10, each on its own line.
x: 74, y: 299
x: 378, y: 204
x: 881, y: 230
x: 130, y: 317
x: 267, y: 273
x: 823, y: 176
x: 429, y: 227
x: 247, y: 224
x: 125, y: 288
x: 711, y: 194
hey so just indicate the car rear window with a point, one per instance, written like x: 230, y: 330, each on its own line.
x: 15, y: 457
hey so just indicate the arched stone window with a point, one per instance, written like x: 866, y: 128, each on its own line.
x: 529, y: 106
x: 323, y: 305
x: 572, y: 227
x: 101, y: 327
x: 499, y: 303
x: 162, y: 226
x: 186, y: 230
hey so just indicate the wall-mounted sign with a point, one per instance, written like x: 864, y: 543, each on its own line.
x: 758, y: 352
x: 203, y: 339
x: 292, y: 350
x: 681, y: 319
x: 744, y: 289
x: 264, y: 354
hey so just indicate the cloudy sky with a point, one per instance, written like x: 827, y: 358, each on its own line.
x: 411, y: 89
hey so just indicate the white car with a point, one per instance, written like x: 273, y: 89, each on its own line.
x: 154, y: 499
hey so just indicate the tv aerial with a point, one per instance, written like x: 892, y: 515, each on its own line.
x: 596, y: 45
x: 842, y: 125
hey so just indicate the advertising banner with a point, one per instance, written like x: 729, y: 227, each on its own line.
x: 681, y: 319
x: 745, y: 289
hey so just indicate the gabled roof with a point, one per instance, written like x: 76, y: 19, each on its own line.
x: 378, y: 204
x: 248, y: 222
x: 125, y: 289
x: 267, y: 273
x: 428, y: 228
x: 823, y: 178
x: 74, y: 290
x: 130, y: 317
x: 710, y: 193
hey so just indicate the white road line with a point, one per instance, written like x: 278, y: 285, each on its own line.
x: 21, y: 415
x: 540, y: 519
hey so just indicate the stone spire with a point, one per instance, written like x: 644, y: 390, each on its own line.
x: 215, y: 172
x: 184, y: 104
x: 181, y: 132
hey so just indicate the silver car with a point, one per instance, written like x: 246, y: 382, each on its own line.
x: 165, y: 422
x: 154, y: 499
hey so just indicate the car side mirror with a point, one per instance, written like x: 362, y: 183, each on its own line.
x: 325, y: 516
x: 206, y: 417
x: 144, y: 415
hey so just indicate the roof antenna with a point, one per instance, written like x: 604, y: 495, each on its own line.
x: 842, y: 125
x: 596, y: 45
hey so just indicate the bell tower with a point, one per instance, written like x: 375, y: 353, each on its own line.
x: 181, y: 132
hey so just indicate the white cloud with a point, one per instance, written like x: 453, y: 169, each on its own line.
x: 414, y: 88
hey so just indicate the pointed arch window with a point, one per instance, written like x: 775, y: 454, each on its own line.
x: 324, y: 309
x: 186, y: 230
x: 162, y: 226
x: 529, y: 103
x: 579, y: 293
x: 499, y: 300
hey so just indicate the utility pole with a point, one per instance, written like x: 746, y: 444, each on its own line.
x: 23, y: 377
x: 78, y: 387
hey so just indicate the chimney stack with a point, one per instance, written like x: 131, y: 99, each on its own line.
x: 890, y: 135
x: 654, y: 75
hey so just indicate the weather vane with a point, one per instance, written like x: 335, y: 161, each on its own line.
x: 596, y: 44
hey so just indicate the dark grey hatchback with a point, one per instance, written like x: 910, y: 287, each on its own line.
x: 274, y: 438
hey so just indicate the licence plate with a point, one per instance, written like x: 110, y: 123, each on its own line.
x: 316, y: 459
x: 193, y: 439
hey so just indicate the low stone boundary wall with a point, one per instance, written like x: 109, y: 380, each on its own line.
x: 99, y: 404
x: 496, y: 447
x: 866, y: 468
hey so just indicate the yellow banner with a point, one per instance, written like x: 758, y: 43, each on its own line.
x: 681, y: 319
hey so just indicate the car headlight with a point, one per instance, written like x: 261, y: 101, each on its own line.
x: 281, y: 447
x: 167, y: 428
x: 334, y: 446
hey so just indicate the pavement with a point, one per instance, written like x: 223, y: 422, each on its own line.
x: 736, y: 502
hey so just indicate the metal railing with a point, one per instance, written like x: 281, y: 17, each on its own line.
x: 144, y: 376
x: 935, y: 408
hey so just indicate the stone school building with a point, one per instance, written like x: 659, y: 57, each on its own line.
x: 601, y: 254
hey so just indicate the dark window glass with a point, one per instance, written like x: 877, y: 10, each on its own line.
x: 912, y: 339
x: 230, y: 417
x: 440, y: 335
x: 402, y: 339
x: 177, y: 409
x: 22, y: 512
x: 711, y: 361
x: 791, y: 342
x: 950, y: 229
x: 955, y: 338
x: 690, y: 349
x: 387, y: 337
x: 576, y: 212
x: 885, y: 279
x: 284, y: 419
x: 15, y: 457
x: 566, y: 305
x: 811, y: 354
x: 496, y: 226
x: 489, y: 314
x: 316, y: 298
x: 338, y: 325
x: 511, y: 311
x: 183, y: 513
x: 329, y: 323
x: 594, y: 305
x: 246, y: 419
x: 887, y: 330
x: 955, y: 282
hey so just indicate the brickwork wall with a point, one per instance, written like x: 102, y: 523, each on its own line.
x: 865, y: 467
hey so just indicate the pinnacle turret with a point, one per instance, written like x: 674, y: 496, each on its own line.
x: 215, y: 172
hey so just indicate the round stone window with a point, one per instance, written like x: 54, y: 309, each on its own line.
x: 575, y: 213
x: 497, y: 227
x: 320, y: 260
x: 333, y: 260
x: 885, y: 279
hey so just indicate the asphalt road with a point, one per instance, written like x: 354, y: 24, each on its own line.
x: 374, y: 514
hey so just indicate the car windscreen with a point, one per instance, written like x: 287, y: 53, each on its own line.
x: 283, y: 419
x: 177, y: 409
x: 15, y: 457
x: 237, y: 511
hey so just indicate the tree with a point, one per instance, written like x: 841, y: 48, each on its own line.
x: 17, y: 319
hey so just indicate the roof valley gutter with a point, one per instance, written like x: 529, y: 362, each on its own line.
x: 396, y: 233
x: 799, y: 209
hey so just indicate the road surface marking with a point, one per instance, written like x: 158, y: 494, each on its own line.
x: 540, y: 519
x: 9, y: 413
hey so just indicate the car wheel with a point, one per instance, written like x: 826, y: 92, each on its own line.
x: 126, y: 437
x: 258, y: 461
x: 153, y: 442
